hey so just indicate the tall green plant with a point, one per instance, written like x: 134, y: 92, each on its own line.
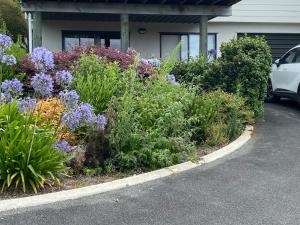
x: 27, y: 157
x: 96, y: 81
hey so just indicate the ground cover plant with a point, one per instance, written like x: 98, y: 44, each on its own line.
x: 97, y: 111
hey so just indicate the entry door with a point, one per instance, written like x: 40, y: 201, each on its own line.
x: 286, y: 75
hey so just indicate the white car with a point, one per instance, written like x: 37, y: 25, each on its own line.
x: 285, y: 77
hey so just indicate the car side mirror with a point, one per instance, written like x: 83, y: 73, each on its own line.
x: 277, y: 62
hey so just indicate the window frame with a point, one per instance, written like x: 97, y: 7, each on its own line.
x: 188, y: 37
x: 106, y: 35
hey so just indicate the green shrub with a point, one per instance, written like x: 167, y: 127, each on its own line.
x: 96, y: 81
x: 246, y: 66
x: 191, y: 72
x: 27, y: 158
x: 218, y: 117
x: 14, y: 19
x: 149, y: 128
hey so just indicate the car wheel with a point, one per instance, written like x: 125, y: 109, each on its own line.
x: 271, y: 97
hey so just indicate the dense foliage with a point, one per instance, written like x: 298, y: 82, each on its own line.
x: 100, y: 110
x: 242, y: 69
x: 12, y: 18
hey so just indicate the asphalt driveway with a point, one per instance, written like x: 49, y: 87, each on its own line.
x: 259, y: 184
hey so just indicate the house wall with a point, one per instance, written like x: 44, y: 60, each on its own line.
x: 149, y: 44
x: 264, y: 11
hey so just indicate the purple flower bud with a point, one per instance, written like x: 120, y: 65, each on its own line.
x: 43, y: 59
x: 64, y: 78
x: 62, y: 146
x: 212, y: 52
x: 144, y: 61
x: 42, y: 84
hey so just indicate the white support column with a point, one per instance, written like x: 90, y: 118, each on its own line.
x: 29, y: 18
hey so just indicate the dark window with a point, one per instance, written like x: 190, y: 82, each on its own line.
x: 189, y: 44
x: 73, y: 39
x: 297, y: 59
x: 289, y: 57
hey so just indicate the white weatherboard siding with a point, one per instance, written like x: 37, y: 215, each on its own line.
x: 149, y: 44
x: 264, y: 11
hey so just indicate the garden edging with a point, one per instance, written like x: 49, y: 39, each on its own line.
x: 18, y: 203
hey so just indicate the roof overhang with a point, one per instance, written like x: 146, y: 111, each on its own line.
x: 140, y: 10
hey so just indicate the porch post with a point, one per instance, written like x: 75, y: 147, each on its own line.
x: 203, y: 36
x: 29, y: 17
x: 124, y: 32
x: 37, y: 29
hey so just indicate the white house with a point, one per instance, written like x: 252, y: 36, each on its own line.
x: 154, y: 27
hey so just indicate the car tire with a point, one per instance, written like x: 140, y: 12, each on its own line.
x: 271, y: 97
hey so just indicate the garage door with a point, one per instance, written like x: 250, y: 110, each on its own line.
x: 279, y: 43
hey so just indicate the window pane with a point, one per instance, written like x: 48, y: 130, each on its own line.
x: 115, y: 43
x: 194, y: 45
x: 289, y: 57
x: 168, y: 44
x: 84, y: 42
x: 297, y: 60
x: 184, y: 47
x: 211, y: 44
x: 71, y: 43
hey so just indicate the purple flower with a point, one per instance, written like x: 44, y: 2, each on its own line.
x: 26, y: 104
x: 144, y: 61
x: 9, y: 60
x: 212, y: 52
x: 42, y: 84
x: 12, y: 88
x: 5, y: 42
x: 87, y: 114
x: 69, y: 98
x: 71, y: 119
x: 81, y: 116
x: 154, y: 62
x: 171, y: 78
x: 64, y: 78
x: 42, y: 59
x: 101, y: 122
x: 62, y: 146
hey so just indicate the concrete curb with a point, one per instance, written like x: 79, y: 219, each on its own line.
x: 31, y: 201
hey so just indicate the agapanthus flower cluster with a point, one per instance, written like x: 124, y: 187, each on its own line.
x: 62, y: 146
x: 64, y: 78
x: 171, y: 78
x: 81, y: 116
x: 42, y: 84
x: 69, y: 98
x: 154, y: 62
x: 27, y: 104
x: 101, y: 122
x: 11, y: 89
x: 43, y: 59
x: 212, y: 52
x: 144, y: 61
x: 5, y: 44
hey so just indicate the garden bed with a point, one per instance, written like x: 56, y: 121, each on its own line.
x: 100, y: 111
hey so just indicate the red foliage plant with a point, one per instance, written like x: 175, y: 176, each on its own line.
x: 68, y: 59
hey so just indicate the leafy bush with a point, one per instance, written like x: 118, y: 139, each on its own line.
x: 218, y: 117
x: 191, y: 72
x: 96, y: 81
x: 246, y: 69
x: 11, y: 14
x: 149, y: 128
x: 27, y: 157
